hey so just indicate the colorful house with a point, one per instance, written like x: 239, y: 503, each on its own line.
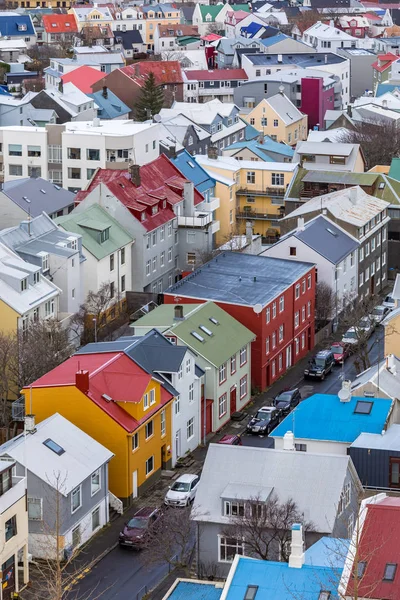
x: 279, y: 118
x: 115, y: 401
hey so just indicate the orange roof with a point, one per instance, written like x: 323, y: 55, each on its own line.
x: 59, y: 23
x: 83, y: 78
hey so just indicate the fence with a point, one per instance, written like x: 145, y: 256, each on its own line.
x: 324, y: 333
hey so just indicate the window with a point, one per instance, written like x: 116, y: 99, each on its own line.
x: 337, y: 160
x: 15, y: 149
x: 296, y: 319
x: 112, y: 289
x: 24, y: 284
x: 367, y: 249
x: 243, y: 356
x: 363, y: 407
x: 76, y: 499
x: 233, y: 509
x: 35, y: 509
x: 309, y: 308
x: 389, y: 574
x: 303, y: 313
x: 278, y: 179
x: 169, y: 229
x: 49, y: 308
x: 191, y: 392
x: 273, y: 369
x: 191, y: 258
x: 190, y: 429
x: 34, y: 151
x: 154, y: 238
x: 222, y: 373
x: 280, y: 362
x: 268, y: 315
x: 148, y: 267
x: 135, y: 442
x: 222, y: 405
x: 92, y: 154
x: 274, y: 310
x: 229, y: 547
x: 267, y: 345
x: 74, y: 173
x: 95, y: 482
x: 297, y: 291
x: 111, y: 262
x: 233, y: 364
x: 149, y: 465
x: 15, y: 170
x: 345, y: 498
x: 154, y: 262
x: 243, y: 387
x: 10, y: 528
x: 152, y: 396
x: 309, y: 282
x: 96, y: 518
x: 281, y: 304
x: 177, y: 405
x: 163, y: 423
x: 251, y: 592
x: 276, y: 123
x: 149, y: 429
x: 274, y: 340
x: 145, y: 401
x: 281, y: 333
x: 251, y: 177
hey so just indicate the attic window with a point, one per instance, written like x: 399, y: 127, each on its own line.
x: 251, y: 592
x: 154, y: 210
x: 67, y: 24
x: 363, y: 407
x: 213, y: 320
x: 324, y: 595
x: 390, y: 572
x: 53, y: 446
x: 207, y: 331
x: 197, y: 336
x: 382, y: 185
x: 53, y: 25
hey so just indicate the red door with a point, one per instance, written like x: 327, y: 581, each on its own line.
x: 233, y: 400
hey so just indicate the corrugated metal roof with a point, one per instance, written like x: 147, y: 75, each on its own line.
x: 387, y: 440
x: 196, y: 590
x: 52, y: 199
x: 366, y: 179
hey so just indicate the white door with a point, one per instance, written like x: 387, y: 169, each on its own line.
x: 288, y: 357
x: 178, y: 444
x: 134, y: 484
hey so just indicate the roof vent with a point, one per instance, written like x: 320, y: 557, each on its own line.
x: 345, y: 393
x: 106, y: 397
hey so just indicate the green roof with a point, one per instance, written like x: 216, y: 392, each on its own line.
x: 394, y: 170
x: 213, y: 11
x: 162, y: 317
x: 227, y: 336
x: 188, y: 39
x: 96, y: 219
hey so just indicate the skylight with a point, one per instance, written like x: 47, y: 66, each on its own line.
x: 191, y: 164
x: 213, y: 320
x: 363, y: 407
x: 324, y: 595
x: 207, y: 331
x: 332, y: 232
x: 53, y: 446
x: 197, y: 336
x: 251, y: 592
x: 390, y: 571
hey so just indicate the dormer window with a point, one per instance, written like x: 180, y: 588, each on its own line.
x: 45, y: 263
x: 164, y: 204
x: 36, y: 278
x: 24, y: 284
x: 154, y: 210
x: 22, y: 27
x: 104, y: 235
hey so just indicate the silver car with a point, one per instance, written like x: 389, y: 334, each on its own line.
x: 183, y: 491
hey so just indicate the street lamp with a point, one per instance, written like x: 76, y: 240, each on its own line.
x: 95, y: 329
x: 205, y: 404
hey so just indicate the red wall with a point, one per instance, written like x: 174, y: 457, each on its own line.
x: 261, y: 362
x: 315, y: 101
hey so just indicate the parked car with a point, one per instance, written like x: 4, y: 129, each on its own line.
x: 389, y: 302
x: 350, y: 337
x: 137, y: 529
x: 182, y: 491
x: 379, y: 313
x: 320, y: 365
x: 264, y: 421
x: 231, y: 440
x: 286, y: 401
x: 366, y: 325
x: 340, y: 352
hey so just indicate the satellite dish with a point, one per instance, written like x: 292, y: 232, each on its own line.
x: 257, y: 308
x: 157, y: 119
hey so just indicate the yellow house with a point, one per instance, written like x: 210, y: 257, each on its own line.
x: 279, y: 118
x: 159, y: 14
x: 122, y: 406
x: 92, y: 15
x: 391, y: 326
x: 257, y: 196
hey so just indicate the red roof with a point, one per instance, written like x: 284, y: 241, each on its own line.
x: 217, y: 75
x: 166, y: 71
x: 60, y: 23
x: 378, y: 546
x: 372, y: 16
x: 384, y: 61
x: 160, y: 180
x: 111, y: 373
x: 211, y: 37
x: 83, y: 78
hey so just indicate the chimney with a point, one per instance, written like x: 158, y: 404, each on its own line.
x: 353, y: 195
x: 345, y: 392
x: 326, y: 59
x: 188, y: 199
x: 350, y: 110
x: 300, y: 223
x: 261, y: 138
x: 105, y: 92
x: 82, y: 381
x: 30, y: 424
x: 178, y: 312
x: 249, y: 232
x: 384, y: 103
x: 212, y: 152
x: 296, y: 558
x: 288, y: 441
x: 391, y: 364
x: 134, y: 172
x: 279, y: 59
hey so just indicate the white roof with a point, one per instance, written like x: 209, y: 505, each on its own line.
x: 81, y: 12
x: 81, y: 457
x: 324, y: 148
x: 14, y: 44
x: 196, y: 57
x: 231, y: 164
x: 225, y: 131
x: 331, y: 135
x: 327, y: 32
x: 388, y: 440
x: 388, y: 99
x: 264, y: 469
x: 199, y: 113
x: 287, y: 111
x: 107, y: 127
x: 90, y: 49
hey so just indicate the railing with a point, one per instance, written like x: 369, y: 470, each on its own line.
x: 255, y: 214
x: 199, y: 220
x: 115, y: 503
x: 18, y: 409
x: 210, y: 206
x: 269, y: 191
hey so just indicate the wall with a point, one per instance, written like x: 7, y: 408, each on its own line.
x: 392, y: 339
x: 373, y: 465
x: 17, y: 542
x: 33, y: 136
x: 361, y: 72
x: 315, y: 101
x: 316, y: 446
x: 8, y: 318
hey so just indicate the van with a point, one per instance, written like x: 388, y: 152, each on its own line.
x: 320, y: 365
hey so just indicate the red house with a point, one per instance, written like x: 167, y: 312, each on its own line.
x: 273, y: 297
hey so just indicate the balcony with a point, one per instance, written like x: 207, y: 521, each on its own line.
x: 200, y: 219
x: 18, y: 409
x: 271, y: 192
x: 258, y: 215
x: 210, y: 206
x: 215, y: 226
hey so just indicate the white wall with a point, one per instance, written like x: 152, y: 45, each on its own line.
x: 32, y: 136
x: 317, y: 446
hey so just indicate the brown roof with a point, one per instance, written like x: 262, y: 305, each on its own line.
x: 177, y: 30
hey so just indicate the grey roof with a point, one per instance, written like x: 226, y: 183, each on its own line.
x: 323, y: 236
x: 388, y: 440
x: 340, y: 177
x: 289, y: 474
x: 389, y: 383
x: 241, y: 279
x: 52, y: 199
x: 302, y: 60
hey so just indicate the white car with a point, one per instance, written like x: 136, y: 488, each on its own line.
x: 379, y: 313
x: 389, y: 302
x: 350, y: 337
x: 182, y: 491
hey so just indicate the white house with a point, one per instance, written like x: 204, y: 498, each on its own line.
x: 128, y: 19
x: 327, y: 37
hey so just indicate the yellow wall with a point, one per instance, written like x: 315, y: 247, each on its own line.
x: 359, y: 167
x: 288, y: 133
x: 392, y: 337
x: 91, y: 20
x: 152, y: 22
x: 227, y: 199
x: 8, y: 318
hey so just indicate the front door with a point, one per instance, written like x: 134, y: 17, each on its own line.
x: 288, y: 357
x: 178, y: 444
x: 233, y: 399
x: 134, y: 485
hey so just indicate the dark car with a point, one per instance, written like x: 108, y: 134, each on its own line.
x: 231, y: 440
x: 340, y: 352
x: 136, y: 529
x: 286, y: 401
x: 320, y: 365
x: 264, y: 421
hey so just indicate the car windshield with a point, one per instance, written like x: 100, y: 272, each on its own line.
x: 265, y: 416
x: 378, y: 310
x: 319, y: 362
x: 285, y: 397
x: 389, y: 299
x: 138, y: 523
x: 350, y: 335
x: 337, y: 349
x: 180, y: 486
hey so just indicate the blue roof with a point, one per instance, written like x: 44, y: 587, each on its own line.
x: 325, y: 417
x: 383, y: 88
x: 261, y: 150
x: 110, y: 107
x: 251, y: 133
x: 274, y: 40
x: 278, y: 581
x: 9, y: 25
x: 193, y: 171
x: 4, y: 91
x: 251, y: 29
x: 327, y: 552
x: 193, y: 590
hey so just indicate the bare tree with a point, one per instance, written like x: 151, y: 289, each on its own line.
x: 173, y: 55
x: 379, y: 140
x: 213, y: 28
x: 356, y: 316
x: 265, y: 526
x: 325, y: 302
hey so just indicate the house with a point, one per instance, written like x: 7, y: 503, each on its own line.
x: 330, y: 248
x: 67, y: 484
x: 273, y: 298
x: 153, y: 202
x: 13, y: 51
x: 129, y: 43
x: 376, y: 457
x: 30, y: 197
x: 219, y: 83
x: 365, y: 218
x: 94, y: 36
x: 210, y: 19
x: 176, y: 366
x: 59, y: 28
x: 14, y: 25
x: 222, y: 349
x: 326, y: 423
x: 109, y: 106
x: 279, y: 118
x: 339, y: 156
x: 158, y: 14
x: 261, y: 474
x: 361, y: 61
x: 92, y: 14
x: 179, y: 134
x: 327, y: 37
x: 130, y: 18
x: 83, y: 78
x: 382, y: 68
x: 263, y: 148
x: 41, y: 242
x: 115, y: 401
x: 25, y: 294
x: 166, y: 37
x: 380, y: 379
x: 107, y: 247
x: 72, y: 104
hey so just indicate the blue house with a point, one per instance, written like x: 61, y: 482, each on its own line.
x: 263, y: 148
x: 109, y: 105
x: 324, y: 423
x: 194, y: 172
x: 14, y: 25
